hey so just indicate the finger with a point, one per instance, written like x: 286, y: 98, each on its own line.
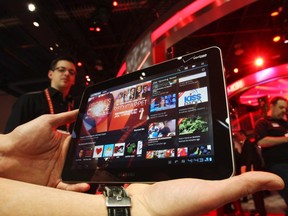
x: 63, y: 118
x: 196, y: 196
x: 79, y: 187
x: 228, y: 190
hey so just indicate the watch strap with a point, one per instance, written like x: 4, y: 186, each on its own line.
x: 117, y: 201
x: 118, y: 211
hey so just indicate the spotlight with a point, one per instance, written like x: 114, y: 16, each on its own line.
x: 276, y: 38
x: 235, y: 70
x: 36, y: 24
x: 115, y: 3
x: 274, y: 13
x: 31, y: 7
x: 259, y: 61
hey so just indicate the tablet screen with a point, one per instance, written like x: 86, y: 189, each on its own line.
x: 164, y: 122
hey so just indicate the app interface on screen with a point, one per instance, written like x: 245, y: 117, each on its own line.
x: 166, y: 119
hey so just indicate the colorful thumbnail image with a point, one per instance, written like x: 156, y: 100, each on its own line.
x: 163, y: 102
x: 131, y: 148
x: 84, y: 152
x: 98, y: 151
x: 164, y: 153
x: 193, y: 124
x: 162, y: 129
x: 200, y: 150
x: 193, y: 96
x: 182, y: 152
x: 194, y: 151
x: 108, y: 150
x: 119, y: 149
x: 133, y: 92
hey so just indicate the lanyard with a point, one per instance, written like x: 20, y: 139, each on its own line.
x: 51, y: 108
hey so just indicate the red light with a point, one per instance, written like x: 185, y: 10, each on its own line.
x: 180, y: 15
x: 79, y: 64
x: 115, y: 3
x: 277, y: 38
x: 122, y: 70
x: 259, y: 61
x: 98, y: 29
x: 91, y: 29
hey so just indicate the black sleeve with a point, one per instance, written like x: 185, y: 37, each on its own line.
x: 261, y: 128
x: 22, y: 112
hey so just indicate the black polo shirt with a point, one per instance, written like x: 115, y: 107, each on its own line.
x: 275, y: 128
x: 31, y: 105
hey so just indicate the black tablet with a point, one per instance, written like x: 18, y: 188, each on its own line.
x: 164, y: 122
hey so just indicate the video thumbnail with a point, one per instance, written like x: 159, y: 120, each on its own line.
x: 162, y: 129
x: 163, y: 102
x: 192, y: 97
x: 165, y: 153
x: 190, y: 125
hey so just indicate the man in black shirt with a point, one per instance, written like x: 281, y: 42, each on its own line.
x: 272, y: 135
x: 54, y: 99
x: 251, y: 159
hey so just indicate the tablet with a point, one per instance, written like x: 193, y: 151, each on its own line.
x: 163, y: 122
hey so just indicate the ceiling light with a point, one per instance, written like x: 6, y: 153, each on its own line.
x: 115, y: 3
x: 274, y: 13
x: 259, y: 61
x: 235, y: 70
x: 276, y: 38
x: 31, y: 7
x: 36, y: 24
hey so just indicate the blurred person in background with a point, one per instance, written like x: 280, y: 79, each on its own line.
x: 54, y: 99
x: 272, y: 136
x: 251, y: 160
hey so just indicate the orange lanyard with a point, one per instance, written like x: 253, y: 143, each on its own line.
x: 51, y: 108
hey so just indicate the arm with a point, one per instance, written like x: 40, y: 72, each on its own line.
x: 269, y: 141
x: 35, y: 153
x: 176, y: 197
x: 28, y: 199
x: 263, y: 138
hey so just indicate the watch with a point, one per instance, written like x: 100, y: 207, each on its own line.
x: 117, y: 201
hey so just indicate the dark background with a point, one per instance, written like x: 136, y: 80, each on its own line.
x: 64, y: 25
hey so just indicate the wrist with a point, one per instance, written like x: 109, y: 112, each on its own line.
x: 4, y: 146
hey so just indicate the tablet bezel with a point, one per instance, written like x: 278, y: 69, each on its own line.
x: 223, y: 167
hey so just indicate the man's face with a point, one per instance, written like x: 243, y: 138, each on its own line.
x: 279, y: 109
x: 64, y: 75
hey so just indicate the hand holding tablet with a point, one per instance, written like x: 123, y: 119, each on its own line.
x: 163, y: 122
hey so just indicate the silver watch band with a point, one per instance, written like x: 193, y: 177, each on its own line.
x: 117, y: 201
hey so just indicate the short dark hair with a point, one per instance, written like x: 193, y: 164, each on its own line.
x: 59, y: 58
x: 275, y: 100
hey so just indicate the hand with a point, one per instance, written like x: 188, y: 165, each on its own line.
x: 194, y: 196
x: 35, y: 151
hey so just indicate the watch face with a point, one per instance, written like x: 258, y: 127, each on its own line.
x: 164, y: 122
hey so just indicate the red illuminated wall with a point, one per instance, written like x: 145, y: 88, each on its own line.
x: 182, y: 20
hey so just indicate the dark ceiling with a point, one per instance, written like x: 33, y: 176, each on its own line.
x: 25, y: 51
